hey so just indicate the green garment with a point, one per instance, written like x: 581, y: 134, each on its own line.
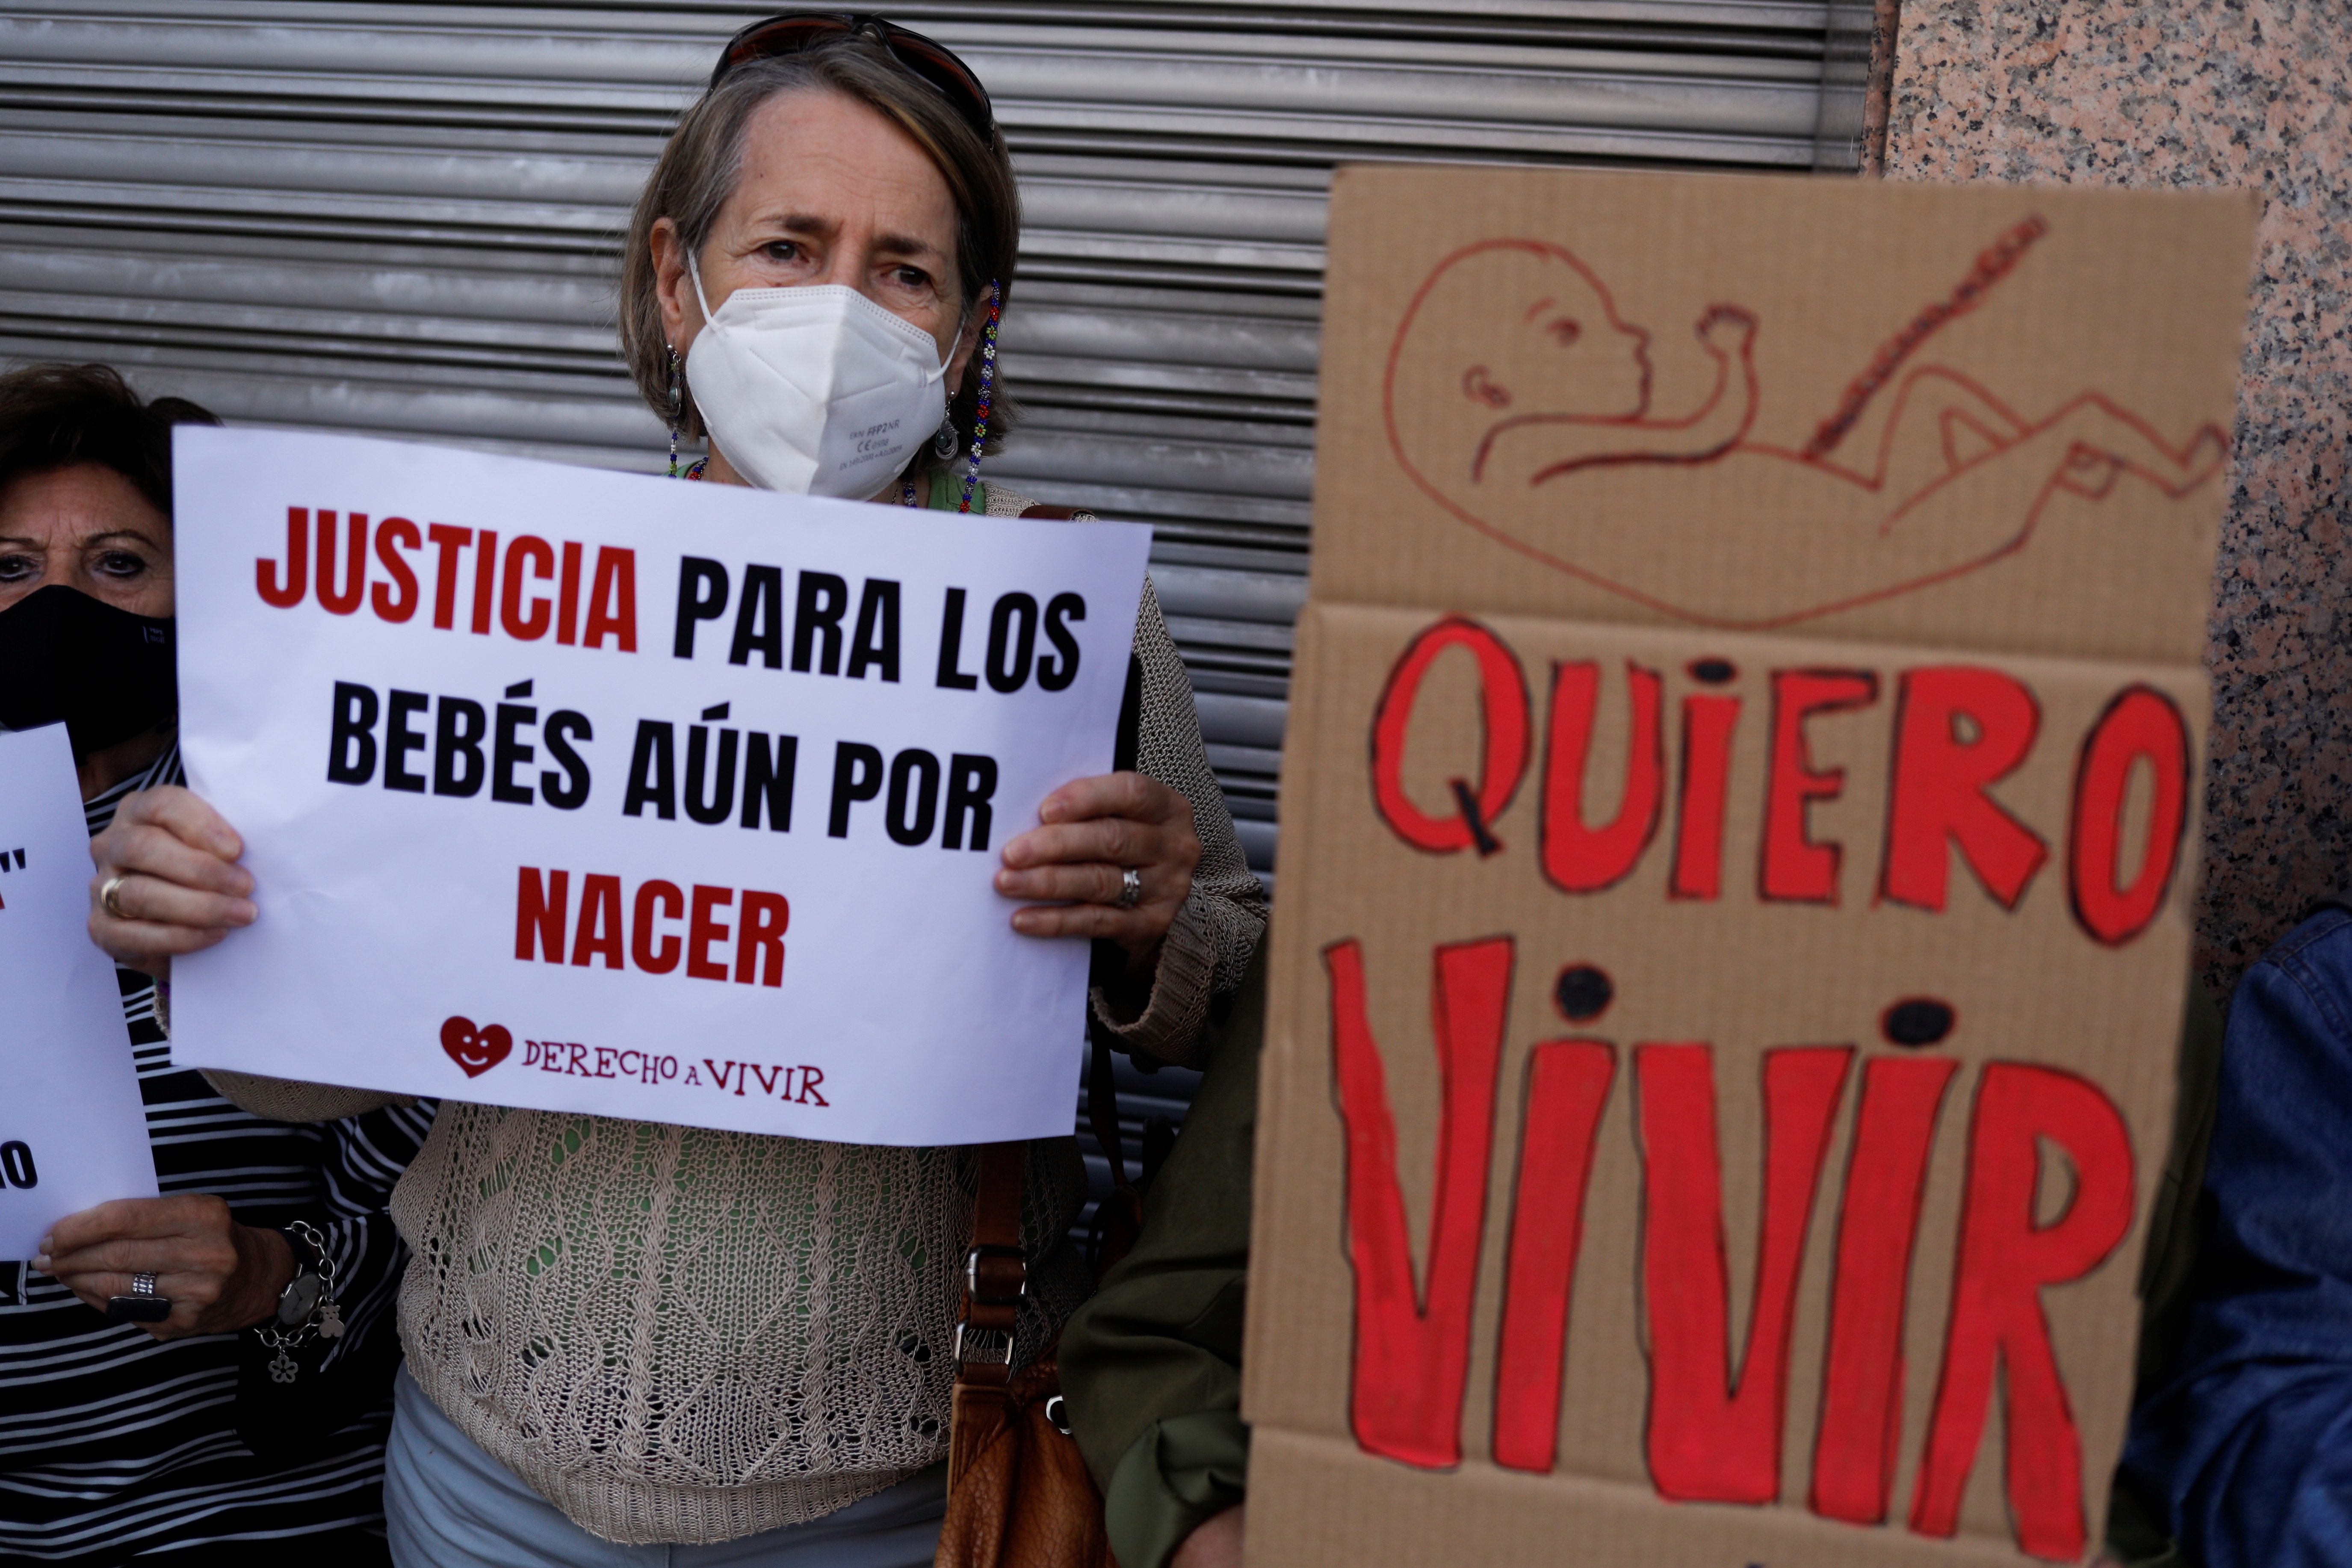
x: 947, y: 493
x: 1152, y: 1366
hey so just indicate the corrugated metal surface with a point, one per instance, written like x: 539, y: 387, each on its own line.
x: 402, y: 218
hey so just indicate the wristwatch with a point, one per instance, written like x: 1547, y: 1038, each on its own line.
x: 307, y: 1307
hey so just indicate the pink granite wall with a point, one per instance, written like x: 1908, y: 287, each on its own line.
x: 2203, y: 92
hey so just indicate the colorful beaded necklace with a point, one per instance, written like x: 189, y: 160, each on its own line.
x: 987, y: 389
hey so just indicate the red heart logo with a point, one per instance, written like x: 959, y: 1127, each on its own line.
x: 476, y: 1050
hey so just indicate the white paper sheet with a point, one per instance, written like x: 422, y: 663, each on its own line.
x: 72, y: 1131
x: 861, y: 986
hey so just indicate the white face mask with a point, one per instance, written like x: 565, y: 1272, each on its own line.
x: 817, y: 390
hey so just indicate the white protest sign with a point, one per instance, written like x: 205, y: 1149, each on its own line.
x: 73, y: 1133
x: 593, y: 792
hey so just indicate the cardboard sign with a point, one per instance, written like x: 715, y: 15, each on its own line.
x: 1738, y: 828
x: 590, y: 792
x: 73, y: 1130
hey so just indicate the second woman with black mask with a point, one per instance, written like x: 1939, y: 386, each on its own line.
x: 119, y: 1440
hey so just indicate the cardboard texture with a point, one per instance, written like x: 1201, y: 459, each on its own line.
x: 1741, y: 774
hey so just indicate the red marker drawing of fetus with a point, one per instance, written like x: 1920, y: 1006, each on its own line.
x: 1519, y: 399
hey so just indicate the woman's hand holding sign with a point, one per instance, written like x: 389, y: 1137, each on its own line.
x: 219, y: 1275
x: 1091, y: 832
x: 170, y: 863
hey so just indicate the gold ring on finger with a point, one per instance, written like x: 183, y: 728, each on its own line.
x: 109, y: 895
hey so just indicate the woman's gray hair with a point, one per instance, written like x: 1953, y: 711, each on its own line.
x: 703, y: 160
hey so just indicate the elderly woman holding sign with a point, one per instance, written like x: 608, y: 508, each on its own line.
x: 817, y: 269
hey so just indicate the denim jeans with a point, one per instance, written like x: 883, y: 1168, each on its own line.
x: 451, y: 1505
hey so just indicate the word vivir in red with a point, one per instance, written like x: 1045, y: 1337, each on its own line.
x: 1959, y: 730
x: 648, y: 938
x: 534, y: 588
x: 1711, y: 1435
x: 776, y: 1082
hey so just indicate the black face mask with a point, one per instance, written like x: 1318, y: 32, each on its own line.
x: 110, y: 675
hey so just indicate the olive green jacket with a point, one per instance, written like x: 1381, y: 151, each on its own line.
x: 1152, y: 1366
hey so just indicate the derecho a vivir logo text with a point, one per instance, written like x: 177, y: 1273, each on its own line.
x: 478, y: 1049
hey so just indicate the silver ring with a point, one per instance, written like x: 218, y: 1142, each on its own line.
x: 142, y: 1284
x: 1131, y: 888
x: 110, y: 893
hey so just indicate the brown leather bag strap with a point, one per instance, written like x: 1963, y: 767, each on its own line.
x: 995, y: 1279
x: 996, y: 1271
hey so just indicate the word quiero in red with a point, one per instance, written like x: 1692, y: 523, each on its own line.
x: 1959, y: 730
x: 1712, y: 1437
x: 648, y: 938
x: 531, y: 589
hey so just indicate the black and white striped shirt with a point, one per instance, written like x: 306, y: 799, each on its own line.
x: 114, y: 1445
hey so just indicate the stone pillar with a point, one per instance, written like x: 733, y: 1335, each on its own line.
x: 2208, y: 92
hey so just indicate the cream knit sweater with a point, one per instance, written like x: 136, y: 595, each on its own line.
x: 682, y: 1335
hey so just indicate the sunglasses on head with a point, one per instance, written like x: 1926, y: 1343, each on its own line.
x: 934, y: 64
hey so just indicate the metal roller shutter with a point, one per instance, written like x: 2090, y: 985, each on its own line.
x: 402, y: 218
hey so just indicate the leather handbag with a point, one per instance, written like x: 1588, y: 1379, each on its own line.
x: 1019, y: 1495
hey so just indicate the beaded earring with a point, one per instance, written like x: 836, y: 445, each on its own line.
x: 676, y: 401
x: 987, y: 388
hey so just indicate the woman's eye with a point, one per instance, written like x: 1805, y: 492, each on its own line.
x: 782, y: 250
x: 910, y: 278
x: 16, y: 568
x: 120, y: 563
